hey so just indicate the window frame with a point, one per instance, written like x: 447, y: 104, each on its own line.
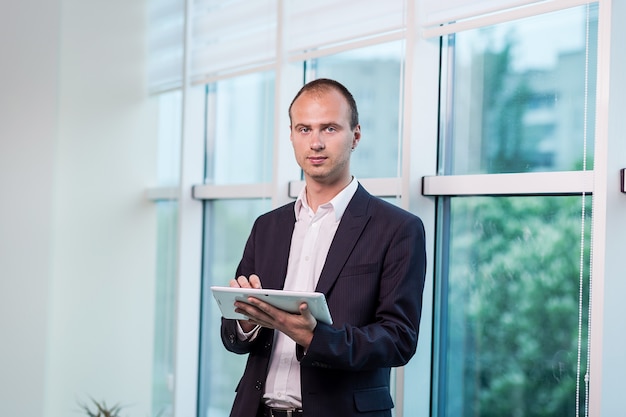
x: 419, y: 186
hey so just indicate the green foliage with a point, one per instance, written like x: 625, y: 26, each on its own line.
x: 513, y: 304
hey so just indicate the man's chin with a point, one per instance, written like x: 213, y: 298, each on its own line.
x: 323, y: 178
x: 316, y: 173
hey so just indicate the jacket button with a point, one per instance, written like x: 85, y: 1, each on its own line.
x: 258, y: 386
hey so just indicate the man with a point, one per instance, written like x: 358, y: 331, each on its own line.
x: 366, y: 255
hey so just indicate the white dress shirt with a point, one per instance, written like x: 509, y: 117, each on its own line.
x: 312, y: 235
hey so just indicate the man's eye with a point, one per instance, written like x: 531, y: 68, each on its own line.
x: 331, y: 129
x: 304, y: 130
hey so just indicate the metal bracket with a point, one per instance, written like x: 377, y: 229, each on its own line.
x: 623, y: 180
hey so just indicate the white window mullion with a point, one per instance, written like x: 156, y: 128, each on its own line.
x: 530, y: 183
x: 419, y: 158
x: 608, y: 341
x: 190, y: 230
x: 288, y: 81
x: 347, y: 46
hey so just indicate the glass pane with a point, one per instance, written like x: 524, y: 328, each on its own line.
x: 240, y: 129
x: 228, y: 224
x: 169, y: 133
x: 373, y: 76
x: 163, y: 361
x: 510, y: 291
x: 521, y: 95
x: 168, y: 174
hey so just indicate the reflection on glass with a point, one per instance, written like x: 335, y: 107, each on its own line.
x: 509, y: 306
x: 169, y: 107
x: 169, y: 131
x: 520, y: 95
x: 240, y: 129
x: 163, y: 360
x: 228, y: 224
x: 373, y: 76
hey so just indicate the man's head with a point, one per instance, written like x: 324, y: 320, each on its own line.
x: 322, y: 85
x: 324, y: 132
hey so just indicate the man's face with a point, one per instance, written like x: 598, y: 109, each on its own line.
x: 321, y: 136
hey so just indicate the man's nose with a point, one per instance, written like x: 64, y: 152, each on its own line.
x: 316, y: 143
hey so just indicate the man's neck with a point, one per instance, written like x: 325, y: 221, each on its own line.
x: 318, y: 194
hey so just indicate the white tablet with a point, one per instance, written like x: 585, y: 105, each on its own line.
x: 285, y: 300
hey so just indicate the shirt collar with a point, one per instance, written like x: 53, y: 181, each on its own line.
x: 339, y: 202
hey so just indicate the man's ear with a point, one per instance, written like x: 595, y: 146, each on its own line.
x: 357, y: 136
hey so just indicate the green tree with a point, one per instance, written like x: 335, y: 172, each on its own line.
x: 513, y: 303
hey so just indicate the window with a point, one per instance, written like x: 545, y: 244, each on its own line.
x: 165, y: 297
x: 240, y: 131
x: 168, y: 174
x: 512, y: 293
x: 240, y: 139
x: 516, y: 103
x: 228, y: 225
x: 374, y: 76
x: 509, y: 306
x: 518, y: 95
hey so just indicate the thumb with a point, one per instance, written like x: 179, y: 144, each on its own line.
x: 304, y: 309
x: 306, y: 313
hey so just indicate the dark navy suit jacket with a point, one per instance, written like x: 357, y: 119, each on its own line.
x: 373, y: 279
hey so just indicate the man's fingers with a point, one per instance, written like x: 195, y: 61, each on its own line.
x: 255, y: 281
x: 243, y: 282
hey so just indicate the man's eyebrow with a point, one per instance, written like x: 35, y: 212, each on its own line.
x: 323, y: 125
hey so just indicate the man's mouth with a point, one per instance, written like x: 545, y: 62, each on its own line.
x: 316, y: 160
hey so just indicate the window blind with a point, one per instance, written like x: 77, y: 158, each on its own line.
x: 322, y: 23
x: 449, y: 16
x: 445, y: 11
x: 165, y: 44
x: 231, y: 35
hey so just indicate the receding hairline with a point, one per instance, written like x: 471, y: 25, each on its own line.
x: 324, y: 85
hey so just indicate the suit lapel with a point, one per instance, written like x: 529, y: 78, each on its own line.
x: 350, y: 228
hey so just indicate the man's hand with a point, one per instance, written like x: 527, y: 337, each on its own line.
x: 297, y: 326
x: 242, y: 282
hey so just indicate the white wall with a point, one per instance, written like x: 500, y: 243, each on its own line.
x: 77, y: 238
x: 28, y: 124
x: 101, y: 316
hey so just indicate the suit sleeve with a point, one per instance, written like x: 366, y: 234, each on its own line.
x: 266, y: 254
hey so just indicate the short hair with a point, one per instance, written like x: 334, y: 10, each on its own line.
x: 322, y: 85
